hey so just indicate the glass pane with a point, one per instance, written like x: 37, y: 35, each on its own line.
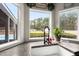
x: 12, y: 31
x: 3, y: 27
x: 38, y: 21
x: 13, y: 9
x: 68, y: 22
x: 2, y: 34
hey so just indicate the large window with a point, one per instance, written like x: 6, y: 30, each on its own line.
x: 68, y: 22
x: 8, y: 23
x: 14, y: 11
x: 38, y: 20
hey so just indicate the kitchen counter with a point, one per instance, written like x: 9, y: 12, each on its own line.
x: 25, y: 48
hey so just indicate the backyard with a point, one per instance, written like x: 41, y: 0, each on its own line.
x: 66, y: 34
x: 68, y: 23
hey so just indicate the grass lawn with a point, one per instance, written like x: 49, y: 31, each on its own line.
x: 67, y: 34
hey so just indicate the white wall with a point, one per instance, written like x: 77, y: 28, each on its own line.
x: 23, y: 29
x: 26, y: 23
x: 21, y: 24
x: 58, y: 7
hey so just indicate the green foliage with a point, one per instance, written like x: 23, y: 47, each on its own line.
x: 60, y: 33
x: 36, y: 34
x: 57, y: 32
x: 39, y: 23
x: 41, y: 34
x: 68, y: 21
x: 68, y: 35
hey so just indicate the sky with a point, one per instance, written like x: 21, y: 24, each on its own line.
x: 35, y: 15
x: 12, y: 8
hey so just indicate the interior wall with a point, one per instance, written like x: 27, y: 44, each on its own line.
x: 26, y: 23
x: 23, y: 29
x: 20, y: 29
x: 58, y: 7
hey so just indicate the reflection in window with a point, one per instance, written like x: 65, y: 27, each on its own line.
x: 7, y: 28
x: 3, y: 27
x: 2, y: 34
x: 12, y: 31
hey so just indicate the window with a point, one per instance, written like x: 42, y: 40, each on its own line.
x: 38, y: 20
x: 13, y: 10
x: 8, y: 25
x: 69, y: 22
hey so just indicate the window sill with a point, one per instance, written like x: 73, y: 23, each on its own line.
x: 9, y: 45
x: 69, y: 39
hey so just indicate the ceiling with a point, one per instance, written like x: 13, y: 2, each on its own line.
x: 42, y: 5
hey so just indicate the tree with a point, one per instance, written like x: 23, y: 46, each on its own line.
x: 68, y: 21
x: 39, y: 23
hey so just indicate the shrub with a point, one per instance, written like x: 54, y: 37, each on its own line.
x: 37, y: 34
x: 68, y: 35
x: 57, y: 32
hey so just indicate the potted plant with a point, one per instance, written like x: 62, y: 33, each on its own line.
x: 58, y: 33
